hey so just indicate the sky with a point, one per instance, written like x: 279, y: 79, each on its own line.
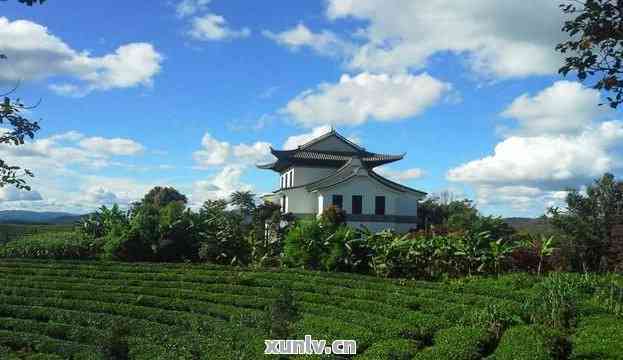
x: 193, y: 93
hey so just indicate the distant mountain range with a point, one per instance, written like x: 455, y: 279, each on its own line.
x: 35, y: 217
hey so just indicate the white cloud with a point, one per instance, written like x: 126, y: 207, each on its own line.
x: 560, y: 142
x: 400, y: 175
x: 565, y: 107
x: 215, y: 152
x: 204, y: 25
x: 220, y: 186
x: 34, y: 53
x: 499, y: 38
x: 115, y: 146
x: 99, y: 195
x: 325, y: 42
x: 295, y: 140
x: 10, y: 193
x: 191, y: 7
x: 356, y: 100
x: 70, y: 148
x: 212, y: 27
x: 558, y: 160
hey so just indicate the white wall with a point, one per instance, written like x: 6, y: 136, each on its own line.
x: 300, y: 201
x: 305, y: 175
x: 396, y: 203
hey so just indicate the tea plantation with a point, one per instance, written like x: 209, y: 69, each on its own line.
x: 86, y: 310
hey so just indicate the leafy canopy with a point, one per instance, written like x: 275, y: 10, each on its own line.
x: 595, y: 44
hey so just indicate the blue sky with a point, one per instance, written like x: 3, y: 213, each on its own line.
x: 191, y: 93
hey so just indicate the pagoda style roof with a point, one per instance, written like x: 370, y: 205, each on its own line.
x: 352, y: 168
x: 330, y: 149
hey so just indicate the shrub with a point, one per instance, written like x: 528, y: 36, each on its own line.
x: 533, y: 342
x: 114, y: 346
x: 554, y: 303
x: 53, y: 245
x: 347, y: 252
x: 393, y: 349
x: 457, y: 343
x: 304, y: 245
x: 599, y: 337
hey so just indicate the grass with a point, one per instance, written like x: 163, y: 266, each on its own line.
x: 63, y: 309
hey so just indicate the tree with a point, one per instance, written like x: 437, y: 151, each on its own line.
x: 243, y: 200
x: 595, y: 46
x: 160, y: 197
x: 587, y: 220
x: 21, y: 128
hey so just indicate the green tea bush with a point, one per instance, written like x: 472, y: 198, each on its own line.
x: 53, y: 245
x: 457, y: 343
x: 394, y: 349
x: 532, y: 342
x: 598, y: 337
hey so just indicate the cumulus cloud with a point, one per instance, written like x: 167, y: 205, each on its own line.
x: 204, y: 25
x: 34, y: 53
x: 115, y: 146
x: 221, y: 185
x: 295, y: 141
x: 565, y: 107
x: 214, y: 152
x: 560, y: 141
x: 365, y: 97
x: 500, y: 39
x: 325, y: 42
x: 9, y: 193
x: 212, y: 27
x: 70, y: 148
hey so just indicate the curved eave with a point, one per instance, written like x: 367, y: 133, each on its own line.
x: 395, y: 185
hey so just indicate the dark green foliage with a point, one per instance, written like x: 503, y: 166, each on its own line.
x: 160, y: 197
x: 394, y: 349
x: 304, y: 245
x: 457, y: 343
x: 222, y: 235
x: 594, y: 45
x: 554, y: 303
x: 598, y: 337
x: 587, y: 221
x: 20, y: 128
x: 244, y: 201
x: 283, y: 313
x: 523, y: 343
x: 348, y: 251
x: 114, y: 345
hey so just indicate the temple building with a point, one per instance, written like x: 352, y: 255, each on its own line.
x: 331, y: 170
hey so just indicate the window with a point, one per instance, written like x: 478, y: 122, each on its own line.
x: 379, y: 205
x: 287, y: 179
x: 338, y: 201
x: 282, y: 181
x: 291, y: 178
x: 357, y: 202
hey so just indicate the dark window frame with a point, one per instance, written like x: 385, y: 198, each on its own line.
x: 380, y: 205
x: 357, y: 206
x: 334, y: 201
